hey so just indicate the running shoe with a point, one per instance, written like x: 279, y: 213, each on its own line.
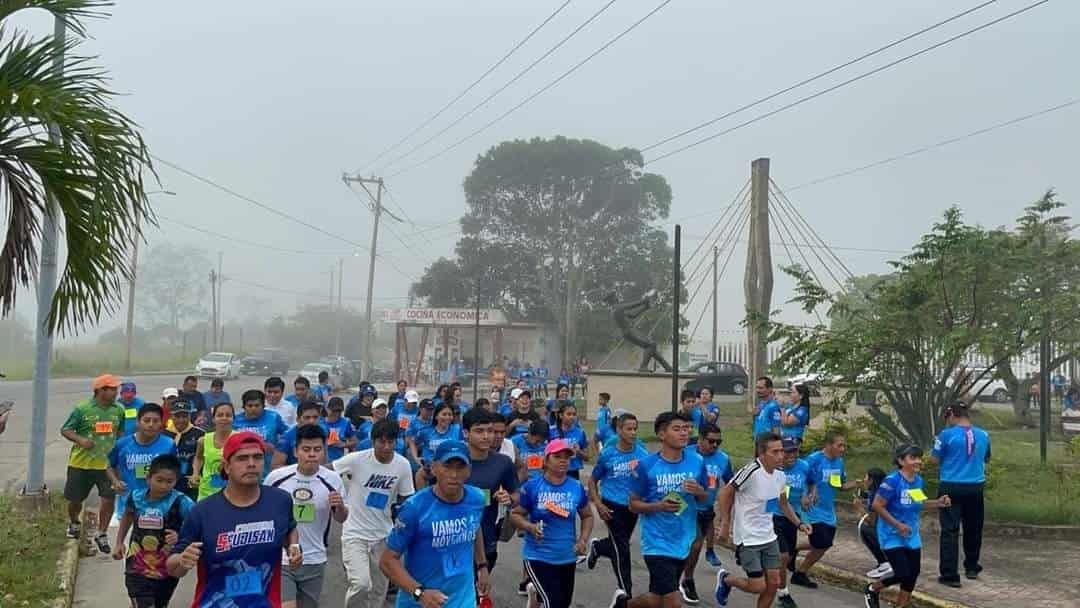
x: 950, y: 582
x: 802, y: 580
x: 618, y: 599
x: 74, y: 529
x: 593, y: 553
x: 883, y: 570
x: 530, y: 595
x: 710, y: 556
x: 786, y: 601
x: 102, y: 542
x: 723, y: 590
x: 972, y: 575
x: 581, y: 559
x: 871, y: 598
x: 523, y: 588
x: 689, y: 592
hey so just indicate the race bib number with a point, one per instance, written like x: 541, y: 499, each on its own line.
x: 333, y: 438
x: 303, y: 512
x: 456, y: 562
x: 103, y: 427
x: 556, y: 509
x: 712, y: 481
x: 534, y: 462
x: 835, y: 481
x: 916, y: 494
x: 403, y: 424
x: 248, y: 582
x: 151, y: 522
x: 772, y: 504
x: 131, y: 413
x: 141, y: 470
x: 377, y: 500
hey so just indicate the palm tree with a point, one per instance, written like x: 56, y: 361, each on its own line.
x: 94, y: 172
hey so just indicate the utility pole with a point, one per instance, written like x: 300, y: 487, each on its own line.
x: 213, y: 309
x: 219, y: 337
x: 131, y: 297
x: 476, y: 342
x: 35, y: 473
x: 377, y: 210
x: 714, y: 354
x: 758, y: 281
x: 340, y: 274
x: 677, y: 279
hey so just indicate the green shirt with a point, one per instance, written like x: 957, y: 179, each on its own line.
x: 103, y: 425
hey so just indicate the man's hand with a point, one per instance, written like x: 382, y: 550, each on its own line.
x: 904, y: 530
x: 806, y: 528
x: 723, y: 532
x: 335, y: 500
x: 194, y: 480
x: 537, y: 531
x: 669, y: 506
x: 502, y: 497
x: 692, y: 486
x: 433, y: 598
x: 944, y: 501
x: 296, y: 556
x: 189, y: 558
x: 603, y: 511
x: 118, y: 552
x: 118, y: 485
x: 581, y: 547
x: 171, y: 537
x: 483, y: 581
x: 85, y: 443
x: 809, y: 499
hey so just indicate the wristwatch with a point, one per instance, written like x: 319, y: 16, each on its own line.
x: 418, y: 592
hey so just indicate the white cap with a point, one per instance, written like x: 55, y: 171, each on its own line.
x: 412, y: 397
x: 514, y: 394
x: 378, y: 403
x: 169, y: 392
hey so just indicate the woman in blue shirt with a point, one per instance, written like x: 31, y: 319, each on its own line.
x: 795, y: 417
x: 567, y: 428
x: 900, y: 500
x: 562, y: 393
x: 429, y: 438
x: 545, y: 512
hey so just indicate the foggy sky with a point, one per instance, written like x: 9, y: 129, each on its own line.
x: 276, y: 99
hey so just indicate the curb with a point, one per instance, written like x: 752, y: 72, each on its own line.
x: 68, y: 568
x: 857, y: 582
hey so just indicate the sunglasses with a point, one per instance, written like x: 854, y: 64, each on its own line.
x: 713, y: 441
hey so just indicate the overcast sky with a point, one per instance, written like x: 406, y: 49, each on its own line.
x: 275, y: 100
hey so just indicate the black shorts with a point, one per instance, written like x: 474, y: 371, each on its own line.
x: 787, y: 534
x: 150, y: 592
x: 554, y: 583
x: 705, y: 522
x: 822, y: 536
x: 664, y: 574
x: 80, y: 481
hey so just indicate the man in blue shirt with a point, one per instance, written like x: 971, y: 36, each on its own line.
x: 825, y: 478
x: 787, y: 534
x: 542, y: 374
x: 767, y: 412
x: 667, y: 489
x: 265, y: 423
x: 301, y: 391
x: 130, y: 457
x: 131, y: 404
x: 718, y: 471
x: 963, y: 450
x: 285, y: 450
x: 216, y: 394
x: 435, y: 553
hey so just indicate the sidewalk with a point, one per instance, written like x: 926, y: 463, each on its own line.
x: 1033, y: 573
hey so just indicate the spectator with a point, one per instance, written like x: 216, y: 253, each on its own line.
x: 216, y: 394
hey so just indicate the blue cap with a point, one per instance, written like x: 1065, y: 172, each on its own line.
x: 449, y: 450
x: 790, y: 445
x: 182, y: 406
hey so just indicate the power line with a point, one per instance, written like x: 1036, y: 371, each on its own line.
x: 261, y: 246
x: 311, y: 294
x: 783, y: 198
x: 934, y: 146
x: 845, y: 83
x: 539, y: 92
x: 487, y: 73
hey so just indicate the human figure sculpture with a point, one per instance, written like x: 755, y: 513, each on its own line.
x: 624, y: 315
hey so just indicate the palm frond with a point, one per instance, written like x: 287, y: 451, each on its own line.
x: 71, y: 12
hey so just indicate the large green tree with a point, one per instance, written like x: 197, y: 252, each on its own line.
x: 172, y: 287
x: 552, y: 227
x: 95, y: 172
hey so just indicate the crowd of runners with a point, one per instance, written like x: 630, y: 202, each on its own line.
x: 426, y: 489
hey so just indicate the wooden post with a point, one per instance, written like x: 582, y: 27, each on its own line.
x: 397, y: 351
x: 420, y: 356
x: 758, y: 281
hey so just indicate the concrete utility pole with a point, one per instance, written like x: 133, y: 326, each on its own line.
x: 677, y: 280
x: 219, y: 329
x: 213, y: 309
x: 35, y: 473
x: 758, y: 282
x: 337, y: 339
x: 714, y: 354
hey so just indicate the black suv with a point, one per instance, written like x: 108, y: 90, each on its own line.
x: 722, y: 377
x: 267, y: 362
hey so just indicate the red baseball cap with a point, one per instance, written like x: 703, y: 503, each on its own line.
x: 241, y: 439
x: 557, y: 445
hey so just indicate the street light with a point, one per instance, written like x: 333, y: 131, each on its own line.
x: 131, y: 284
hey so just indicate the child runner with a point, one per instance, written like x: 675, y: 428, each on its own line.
x: 569, y: 430
x: 609, y: 489
x: 546, y: 513
x: 787, y: 535
x: 900, y: 499
x: 154, y: 515
x: 340, y: 434
x: 530, y: 450
x: 718, y: 468
x: 187, y: 437
x: 129, y: 460
x: 206, y: 473
x: 868, y: 524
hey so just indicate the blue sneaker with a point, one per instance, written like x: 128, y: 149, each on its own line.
x: 710, y: 556
x: 723, y: 590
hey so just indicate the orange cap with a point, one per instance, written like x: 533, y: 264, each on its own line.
x: 105, y: 381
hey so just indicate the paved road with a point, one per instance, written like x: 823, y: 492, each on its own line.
x: 100, y: 583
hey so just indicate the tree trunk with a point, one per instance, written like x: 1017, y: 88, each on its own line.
x: 1021, y: 408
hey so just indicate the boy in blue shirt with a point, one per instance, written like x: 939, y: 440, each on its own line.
x: 529, y: 448
x: 340, y: 434
x: 604, y: 431
x: 130, y: 457
x: 265, y: 423
x: 718, y: 470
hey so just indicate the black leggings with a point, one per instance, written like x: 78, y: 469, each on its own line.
x: 905, y: 565
x: 616, y: 546
x: 554, y: 583
x: 868, y: 535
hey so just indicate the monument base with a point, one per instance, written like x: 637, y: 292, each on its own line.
x: 644, y: 394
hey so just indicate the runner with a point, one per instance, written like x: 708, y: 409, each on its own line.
x: 189, y: 391
x: 154, y: 515
x: 285, y: 450
x: 316, y: 497
x: 301, y: 391
x: 93, y: 428
x: 274, y: 400
x: 129, y: 460
x: 168, y: 398
x: 562, y: 393
x: 522, y: 416
x: 435, y: 553
x: 398, y: 398
x: 795, y: 417
x: 405, y: 414
x: 545, y: 513
x: 530, y: 451
x: 423, y: 420
x: 498, y: 430
x: 186, y: 437
x: 689, y: 407
x: 787, y: 535
x: 609, y: 489
x: 235, y: 537
x: 428, y: 439
x: 131, y: 404
x: 323, y: 390
x: 868, y: 524
x: 748, y: 500
x: 359, y: 407
x: 718, y: 469
x: 378, y: 480
x: 341, y: 436
x: 963, y: 450
x: 604, y: 428
x: 767, y: 413
x: 709, y: 410
x: 899, y: 502
x: 216, y: 394
x: 568, y: 429
x: 207, y: 464
x: 826, y: 477
x: 494, y: 474
x: 265, y: 423
x: 666, y: 488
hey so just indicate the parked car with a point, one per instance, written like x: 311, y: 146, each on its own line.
x: 811, y: 380
x: 723, y: 378
x: 311, y: 372
x: 267, y: 362
x: 218, y: 365
x: 986, y: 386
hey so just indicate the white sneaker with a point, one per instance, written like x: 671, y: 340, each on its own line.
x: 881, y: 571
x: 530, y: 595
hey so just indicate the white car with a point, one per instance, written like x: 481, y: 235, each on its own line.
x: 218, y: 365
x: 311, y: 372
x: 986, y: 387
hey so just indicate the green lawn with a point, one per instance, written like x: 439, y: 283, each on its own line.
x: 29, y: 549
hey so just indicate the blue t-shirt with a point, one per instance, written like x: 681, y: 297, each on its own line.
x: 287, y: 443
x: 146, y: 549
x: 963, y: 452
x: 364, y: 430
x: 241, y: 549
x: 614, y: 472
x: 556, y: 505
x: 542, y: 374
x: 802, y: 413
x: 436, y: 541
x: 131, y: 460
x: 564, y: 379
x: 904, y: 501
x: 575, y: 436
x: 322, y: 392
x: 718, y: 469
x: 213, y: 399
x: 131, y: 413
x: 429, y: 439
x: 416, y: 425
x: 269, y: 426
x: 796, y: 487
x: 768, y: 417
x: 505, y: 408
x: 668, y: 534
x: 402, y: 413
x: 826, y: 475
x: 603, y: 424
x: 341, y: 430
x: 531, y: 455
